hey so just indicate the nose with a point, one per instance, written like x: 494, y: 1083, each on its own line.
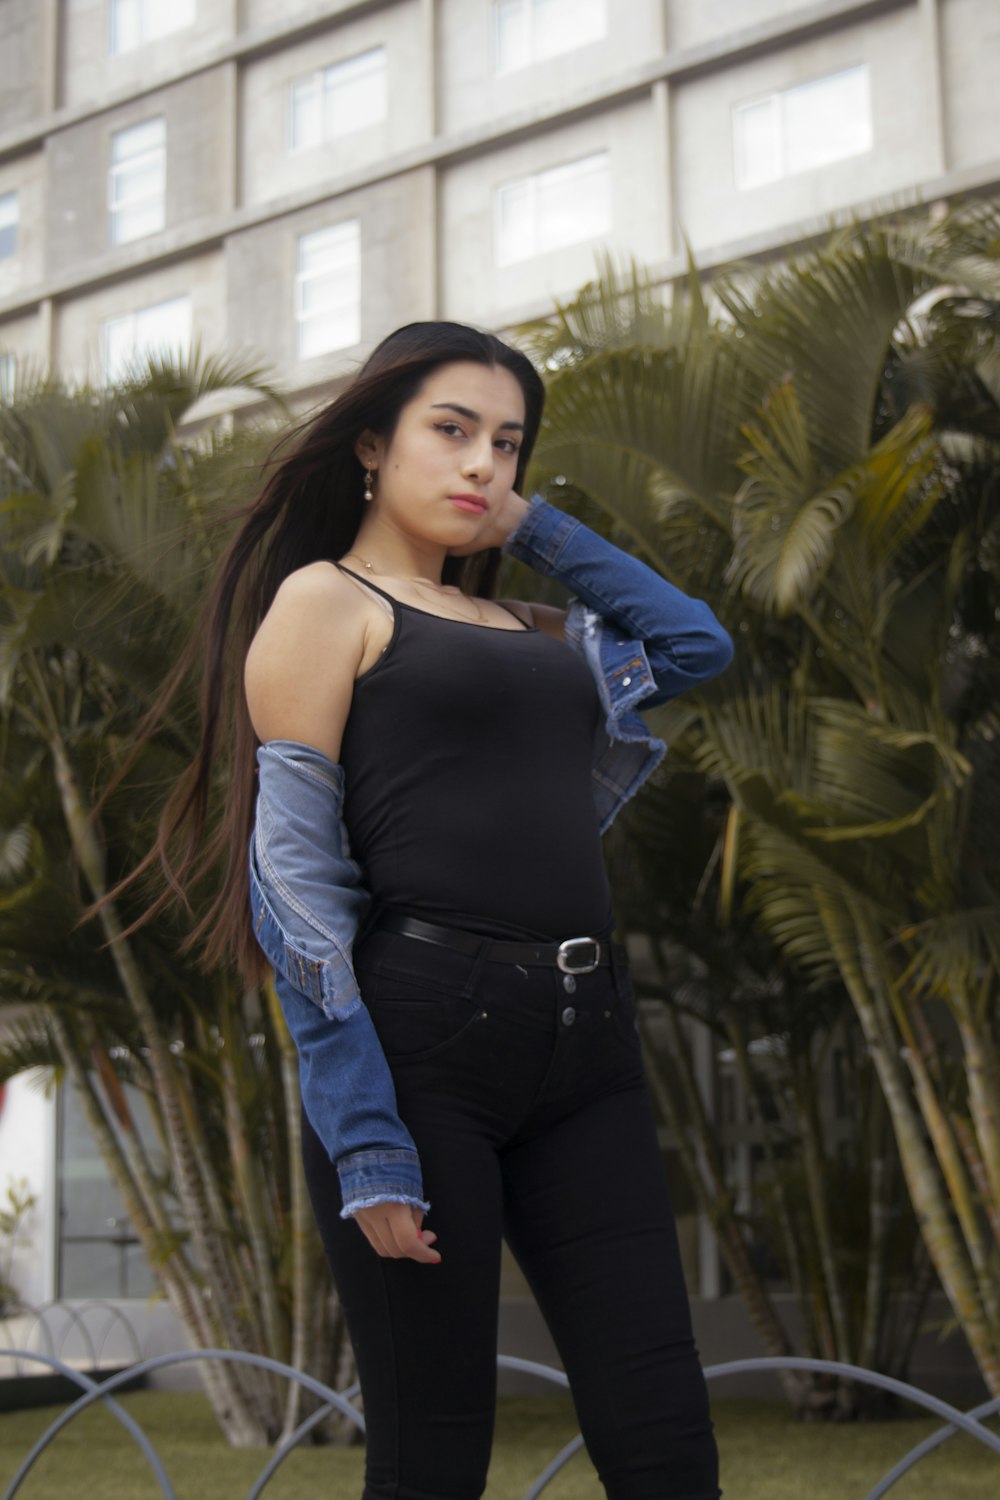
x: 479, y: 459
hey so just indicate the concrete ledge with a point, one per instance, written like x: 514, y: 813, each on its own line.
x: 944, y: 1368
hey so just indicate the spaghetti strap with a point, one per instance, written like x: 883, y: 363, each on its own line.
x: 390, y: 603
x: 359, y: 578
x: 385, y: 601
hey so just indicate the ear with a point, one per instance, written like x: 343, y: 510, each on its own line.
x: 368, y: 449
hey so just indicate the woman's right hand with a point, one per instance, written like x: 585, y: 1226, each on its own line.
x: 393, y: 1231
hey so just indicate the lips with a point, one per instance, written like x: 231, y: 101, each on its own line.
x: 474, y: 504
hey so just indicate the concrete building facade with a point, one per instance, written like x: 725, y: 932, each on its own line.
x: 477, y: 154
x: 294, y: 178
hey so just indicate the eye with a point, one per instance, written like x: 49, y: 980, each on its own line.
x: 450, y: 429
x: 508, y: 446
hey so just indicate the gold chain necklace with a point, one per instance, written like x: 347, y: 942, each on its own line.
x: 447, y: 589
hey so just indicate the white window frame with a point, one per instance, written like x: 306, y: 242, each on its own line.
x: 324, y: 83
x: 137, y: 162
x: 533, y: 188
x: 136, y: 23
x: 142, y: 348
x: 10, y: 220
x: 346, y: 233
x: 779, y: 104
x: 535, y: 47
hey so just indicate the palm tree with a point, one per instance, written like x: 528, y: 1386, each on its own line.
x: 817, y: 1134
x: 109, y: 524
x: 814, y: 448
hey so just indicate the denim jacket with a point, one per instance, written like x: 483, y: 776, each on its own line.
x: 644, y: 642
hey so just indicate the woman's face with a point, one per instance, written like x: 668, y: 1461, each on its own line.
x: 453, y: 456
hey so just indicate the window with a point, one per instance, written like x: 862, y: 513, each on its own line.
x: 8, y: 225
x: 138, y: 181
x: 527, y: 31
x: 328, y: 289
x: 128, y: 342
x: 8, y: 377
x: 99, y: 1252
x: 338, y: 100
x: 803, y: 127
x: 555, y: 208
x: 135, y: 22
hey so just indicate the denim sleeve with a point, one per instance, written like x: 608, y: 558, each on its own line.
x: 684, y: 641
x: 307, y: 901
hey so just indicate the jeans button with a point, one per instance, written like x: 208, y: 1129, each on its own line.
x: 568, y: 1016
x: 569, y: 983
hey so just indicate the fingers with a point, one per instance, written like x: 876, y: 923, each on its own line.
x: 393, y: 1231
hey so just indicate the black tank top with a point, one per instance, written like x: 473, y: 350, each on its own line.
x: 467, y: 770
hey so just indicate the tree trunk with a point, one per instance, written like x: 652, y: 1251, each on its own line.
x: 173, y: 1271
x: 879, y: 1224
x: 982, y: 1070
x: 242, y: 1420
x: 751, y: 1087
x: 302, y: 1231
x: 932, y: 1208
x: 813, y: 1161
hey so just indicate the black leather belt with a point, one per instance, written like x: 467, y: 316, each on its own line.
x: 575, y: 955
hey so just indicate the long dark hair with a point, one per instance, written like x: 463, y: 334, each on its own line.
x: 309, y: 508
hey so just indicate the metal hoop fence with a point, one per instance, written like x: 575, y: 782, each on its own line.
x: 55, y: 1323
x: 954, y: 1420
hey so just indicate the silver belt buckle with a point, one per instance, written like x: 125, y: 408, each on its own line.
x: 566, y: 961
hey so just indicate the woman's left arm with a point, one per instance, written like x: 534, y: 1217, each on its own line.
x: 684, y: 642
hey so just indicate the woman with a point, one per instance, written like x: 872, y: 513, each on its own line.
x: 435, y: 771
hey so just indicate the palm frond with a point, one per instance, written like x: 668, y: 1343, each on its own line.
x: 19, y: 851
x: 856, y: 291
x: 649, y: 415
x: 145, y: 410
x: 786, y: 533
x: 26, y: 1043
x: 954, y: 951
x: 620, y: 308
x: 783, y: 530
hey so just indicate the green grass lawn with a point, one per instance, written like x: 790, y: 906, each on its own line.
x: 765, y: 1456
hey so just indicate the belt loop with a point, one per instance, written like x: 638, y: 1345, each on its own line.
x: 469, y: 988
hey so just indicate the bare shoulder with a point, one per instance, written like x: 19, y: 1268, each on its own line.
x: 300, y: 669
x: 543, y: 617
x: 314, y: 582
x: 315, y: 604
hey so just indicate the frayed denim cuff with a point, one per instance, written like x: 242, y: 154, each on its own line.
x: 538, y: 537
x: 371, y: 1177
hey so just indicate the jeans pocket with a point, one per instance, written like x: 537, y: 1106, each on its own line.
x: 415, y: 1021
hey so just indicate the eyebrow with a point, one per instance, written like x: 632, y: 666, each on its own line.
x: 473, y: 416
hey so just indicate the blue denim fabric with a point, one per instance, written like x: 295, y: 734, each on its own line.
x: 298, y: 852
x: 644, y: 641
x: 307, y: 903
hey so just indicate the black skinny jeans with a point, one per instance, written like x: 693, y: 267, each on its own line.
x: 527, y: 1105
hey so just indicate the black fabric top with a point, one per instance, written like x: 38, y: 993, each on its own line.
x: 467, y: 769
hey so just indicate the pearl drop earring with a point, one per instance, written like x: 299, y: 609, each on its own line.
x: 369, y: 492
